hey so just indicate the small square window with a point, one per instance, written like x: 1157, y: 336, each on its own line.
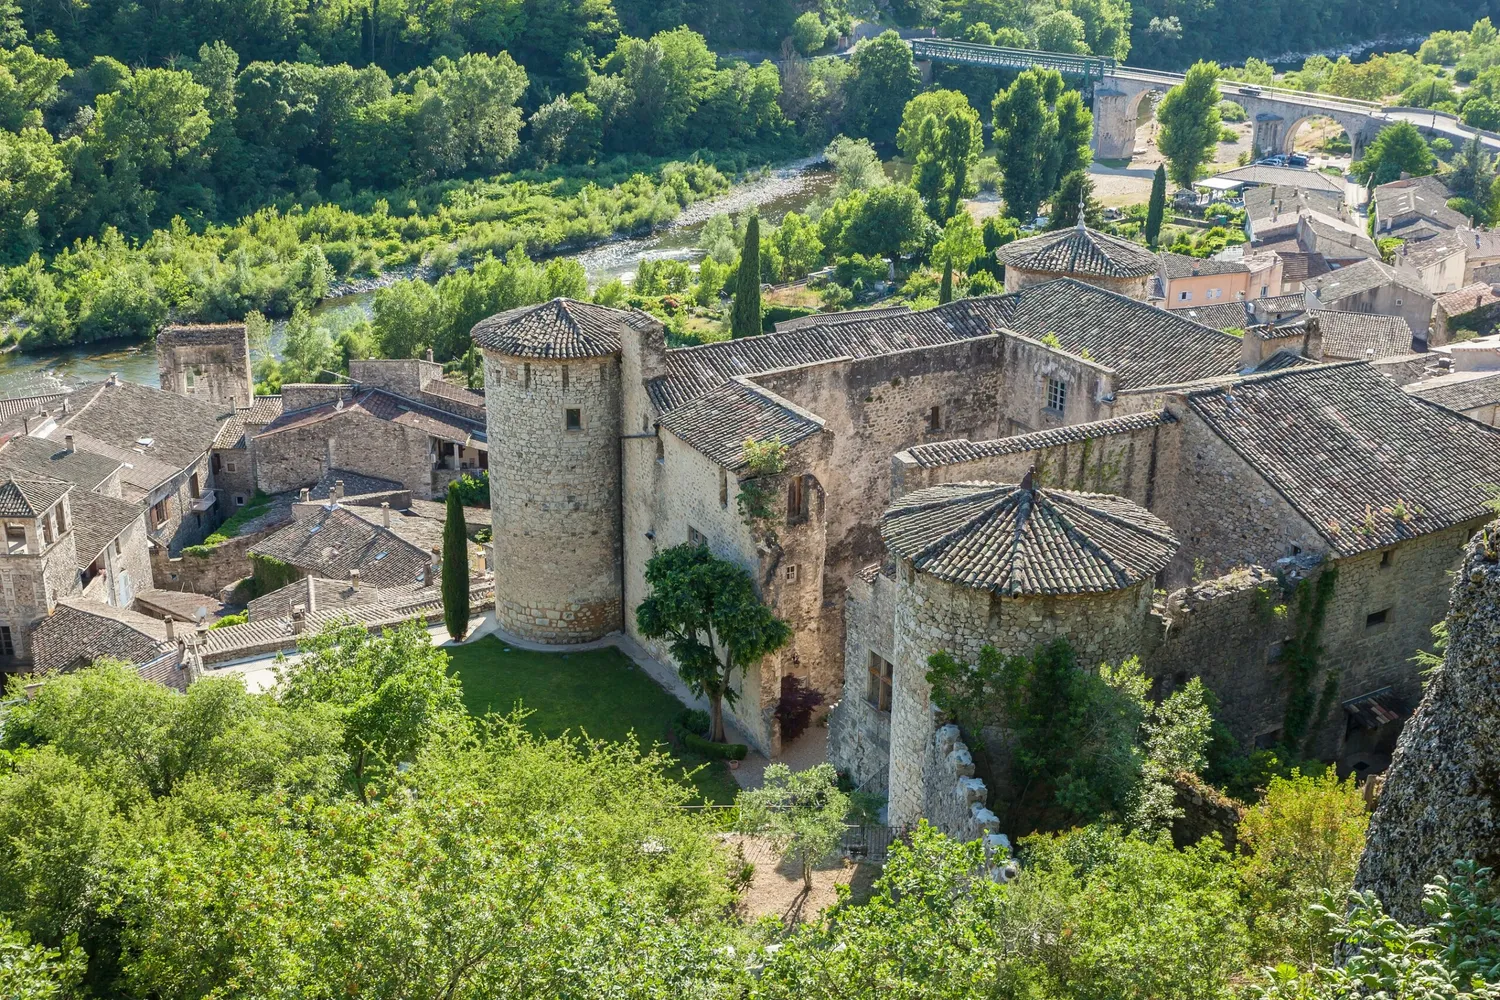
x: 878, y: 689
x: 7, y: 641
x: 573, y: 419
x: 239, y: 501
x: 1385, y: 558
x: 1184, y: 296
x: 229, y: 466
x: 696, y: 537
x: 1057, y: 396
x: 1377, y: 618
x: 791, y: 573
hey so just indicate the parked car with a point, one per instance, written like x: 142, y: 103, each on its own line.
x: 1272, y: 161
x: 1296, y: 160
x: 1250, y: 90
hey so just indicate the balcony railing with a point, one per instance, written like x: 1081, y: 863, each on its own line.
x: 202, y: 501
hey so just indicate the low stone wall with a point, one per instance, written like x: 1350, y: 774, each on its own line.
x: 1205, y: 812
x: 209, y: 573
x: 954, y: 800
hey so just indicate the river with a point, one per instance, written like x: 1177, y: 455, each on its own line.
x: 778, y: 191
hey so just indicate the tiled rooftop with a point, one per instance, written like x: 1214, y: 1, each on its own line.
x: 1018, y: 540
x: 1460, y: 391
x: 30, y: 497
x: 938, y: 453
x: 1352, y: 336
x: 40, y: 457
x: 1365, y: 463
x: 1358, y: 278
x: 383, y: 405
x: 334, y: 541
x: 559, y: 329
x: 1079, y: 251
x: 1143, y: 344
x: 122, y: 415
x: 1176, y: 265
x: 81, y: 631
x: 852, y: 316
x: 97, y: 521
x: 719, y: 422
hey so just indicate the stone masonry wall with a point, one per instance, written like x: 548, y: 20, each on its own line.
x: 932, y: 615
x: 954, y: 800
x: 1441, y: 801
x: 1123, y: 463
x: 207, y: 363
x: 224, y: 565
x: 1029, y: 365
x: 859, y: 734
x: 183, y: 525
x: 1410, y: 583
x: 1226, y: 631
x: 555, y: 496
x: 294, y: 457
x: 1223, y: 513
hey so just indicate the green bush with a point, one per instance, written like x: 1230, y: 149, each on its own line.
x: 717, y: 751
x: 693, y: 720
x: 229, y: 620
x: 1227, y: 134
x: 780, y: 314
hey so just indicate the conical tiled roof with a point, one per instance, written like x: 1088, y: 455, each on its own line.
x: 1078, y: 250
x: 559, y: 329
x: 1020, y: 540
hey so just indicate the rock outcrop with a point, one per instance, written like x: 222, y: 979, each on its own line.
x: 1441, y: 800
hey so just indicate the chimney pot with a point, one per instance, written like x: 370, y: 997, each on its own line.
x: 304, y: 495
x: 354, y: 579
x: 171, y: 628
x: 429, y: 354
x: 68, y: 442
x: 385, y: 514
x: 338, y: 489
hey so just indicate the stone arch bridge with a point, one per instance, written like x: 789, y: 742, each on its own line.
x: 1121, y: 91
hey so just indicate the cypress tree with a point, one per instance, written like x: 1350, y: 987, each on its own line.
x: 744, y: 321
x: 945, y: 293
x: 455, y: 568
x: 1157, y: 209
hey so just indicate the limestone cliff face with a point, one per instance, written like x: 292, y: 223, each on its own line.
x: 1441, y: 800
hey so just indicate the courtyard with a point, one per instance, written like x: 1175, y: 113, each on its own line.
x: 599, y: 693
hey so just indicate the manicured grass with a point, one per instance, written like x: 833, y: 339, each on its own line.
x: 601, y: 693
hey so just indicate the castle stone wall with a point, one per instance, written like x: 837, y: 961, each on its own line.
x: 555, y: 496
x: 1028, y: 366
x: 954, y: 800
x: 932, y: 615
x: 1135, y: 288
x: 293, y: 457
x: 1441, y: 800
x: 859, y: 734
x: 211, y: 363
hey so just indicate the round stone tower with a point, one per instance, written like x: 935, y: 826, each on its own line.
x: 552, y: 395
x: 1088, y: 255
x: 1013, y: 567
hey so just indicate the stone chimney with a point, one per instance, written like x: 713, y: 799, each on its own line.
x: 304, y: 494
x: 385, y: 514
x: 429, y: 354
x: 435, y: 571
x: 354, y: 579
x: 171, y: 628
x: 114, y: 378
x: 299, y: 615
x: 1312, y: 339
x: 68, y: 443
x: 338, y: 490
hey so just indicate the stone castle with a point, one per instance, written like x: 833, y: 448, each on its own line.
x: 1062, y: 460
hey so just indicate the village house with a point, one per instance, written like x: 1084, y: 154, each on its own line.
x: 1084, y: 254
x: 1372, y: 287
x: 1183, y: 282
x: 1414, y: 209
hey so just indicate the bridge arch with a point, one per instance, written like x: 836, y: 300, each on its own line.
x: 1349, y: 124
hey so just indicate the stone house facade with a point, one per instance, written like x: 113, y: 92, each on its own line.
x: 210, y: 362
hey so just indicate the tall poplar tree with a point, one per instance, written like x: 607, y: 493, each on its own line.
x: 1189, y: 117
x: 455, y: 568
x: 1157, y: 209
x: 744, y: 320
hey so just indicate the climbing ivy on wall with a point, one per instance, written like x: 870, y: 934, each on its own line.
x: 764, y: 460
x: 271, y: 574
x: 1301, y: 658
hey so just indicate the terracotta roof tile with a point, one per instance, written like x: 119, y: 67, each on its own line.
x: 1078, y: 250
x: 1350, y: 451
x: 1016, y: 540
x: 559, y: 329
x: 720, y: 421
x: 939, y: 453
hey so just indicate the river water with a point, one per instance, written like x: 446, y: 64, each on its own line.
x: 785, y: 189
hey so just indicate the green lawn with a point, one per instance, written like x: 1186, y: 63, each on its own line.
x: 600, y: 692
